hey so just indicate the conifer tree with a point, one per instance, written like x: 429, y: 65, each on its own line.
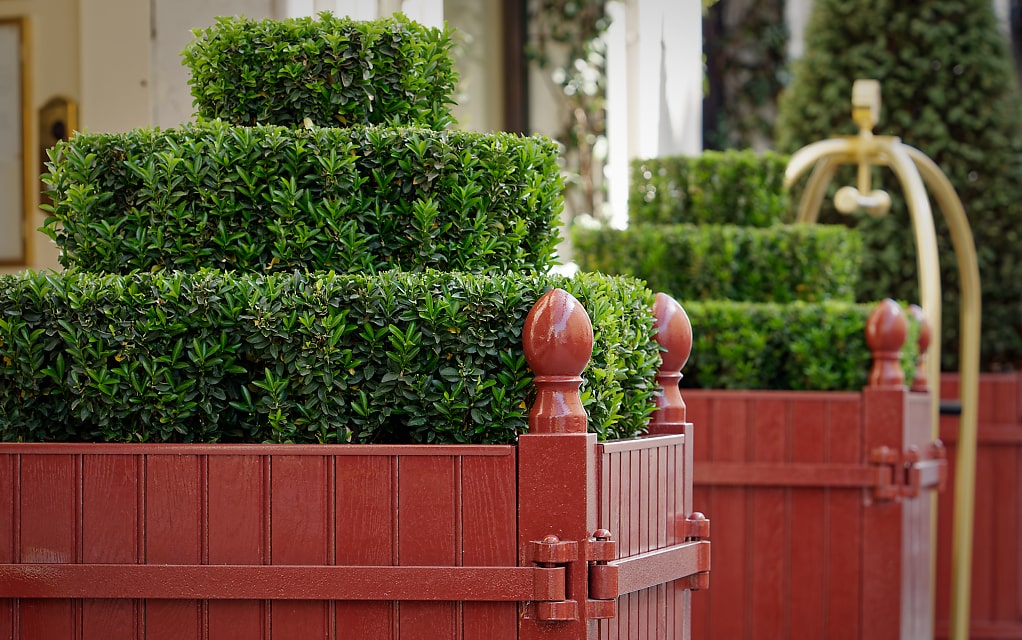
x: 948, y: 89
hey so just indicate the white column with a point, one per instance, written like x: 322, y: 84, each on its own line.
x: 654, y: 87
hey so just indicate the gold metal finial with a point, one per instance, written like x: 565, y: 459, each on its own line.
x: 866, y: 103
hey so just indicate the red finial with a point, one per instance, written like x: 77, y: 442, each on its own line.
x: 920, y: 382
x: 674, y: 334
x: 886, y: 330
x: 558, y: 341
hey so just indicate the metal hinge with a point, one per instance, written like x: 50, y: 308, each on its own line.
x: 553, y: 555
x: 906, y: 474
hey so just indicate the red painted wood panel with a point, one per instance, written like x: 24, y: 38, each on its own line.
x: 996, y: 586
x: 809, y: 429
x: 642, y: 494
x: 843, y: 526
x: 428, y: 530
x: 237, y: 517
x: 798, y: 557
x: 9, y: 489
x: 301, y: 518
x: 174, y: 534
x: 49, y: 516
x: 110, y: 534
x: 489, y: 538
x: 366, y: 534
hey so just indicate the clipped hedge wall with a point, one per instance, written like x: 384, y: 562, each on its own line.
x: 739, y: 187
x: 798, y: 346
x: 335, y: 71
x: 774, y: 264
x: 216, y: 356
x: 270, y: 198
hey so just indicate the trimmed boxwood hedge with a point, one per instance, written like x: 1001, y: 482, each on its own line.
x: 215, y: 356
x: 270, y: 198
x: 739, y: 187
x: 799, y: 346
x: 781, y: 263
x: 334, y: 71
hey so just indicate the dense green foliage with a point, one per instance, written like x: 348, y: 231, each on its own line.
x: 334, y: 71
x: 321, y: 357
x: 269, y: 198
x: 781, y: 263
x: 948, y: 90
x: 717, y: 187
x: 799, y: 346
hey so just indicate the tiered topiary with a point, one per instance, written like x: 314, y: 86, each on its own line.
x: 316, y: 259
x: 774, y: 303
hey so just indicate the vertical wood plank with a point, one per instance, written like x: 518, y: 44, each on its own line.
x: 769, y: 524
x: 427, y: 535
x: 8, y: 516
x: 110, y: 524
x: 237, y: 515
x: 366, y: 520
x: 731, y: 525
x: 300, y: 533
x: 845, y: 541
x: 489, y: 538
x: 174, y: 528
x: 49, y: 533
x: 809, y: 512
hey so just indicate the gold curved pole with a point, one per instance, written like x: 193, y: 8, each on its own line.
x: 927, y: 259
x: 969, y: 348
x: 816, y: 189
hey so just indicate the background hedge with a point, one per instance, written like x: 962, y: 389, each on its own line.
x: 270, y: 198
x: 781, y: 263
x: 739, y: 187
x: 216, y: 356
x: 334, y: 71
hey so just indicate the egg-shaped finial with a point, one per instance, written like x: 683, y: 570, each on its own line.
x: 558, y: 342
x: 886, y: 331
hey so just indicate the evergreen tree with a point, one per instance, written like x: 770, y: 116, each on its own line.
x: 948, y: 89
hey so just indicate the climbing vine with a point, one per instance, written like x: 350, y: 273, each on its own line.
x: 566, y: 42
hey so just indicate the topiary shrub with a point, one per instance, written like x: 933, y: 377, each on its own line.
x: 948, y: 90
x: 270, y: 198
x: 216, y: 356
x: 738, y: 187
x: 334, y: 71
x: 781, y: 263
x: 206, y: 300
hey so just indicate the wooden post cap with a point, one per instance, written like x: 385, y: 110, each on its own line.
x: 886, y: 331
x: 674, y: 335
x: 920, y: 381
x: 558, y: 342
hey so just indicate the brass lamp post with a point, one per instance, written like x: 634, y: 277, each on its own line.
x: 916, y: 172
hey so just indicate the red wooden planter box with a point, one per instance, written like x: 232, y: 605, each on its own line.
x: 556, y: 537
x: 821, y: 511
x: 996, y: 586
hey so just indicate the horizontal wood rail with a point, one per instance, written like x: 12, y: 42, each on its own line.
x: 649, y: 569
x: 792, y: 474
x: 278, y: 582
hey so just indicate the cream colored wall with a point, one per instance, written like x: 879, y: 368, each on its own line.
x: 52, y: 34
